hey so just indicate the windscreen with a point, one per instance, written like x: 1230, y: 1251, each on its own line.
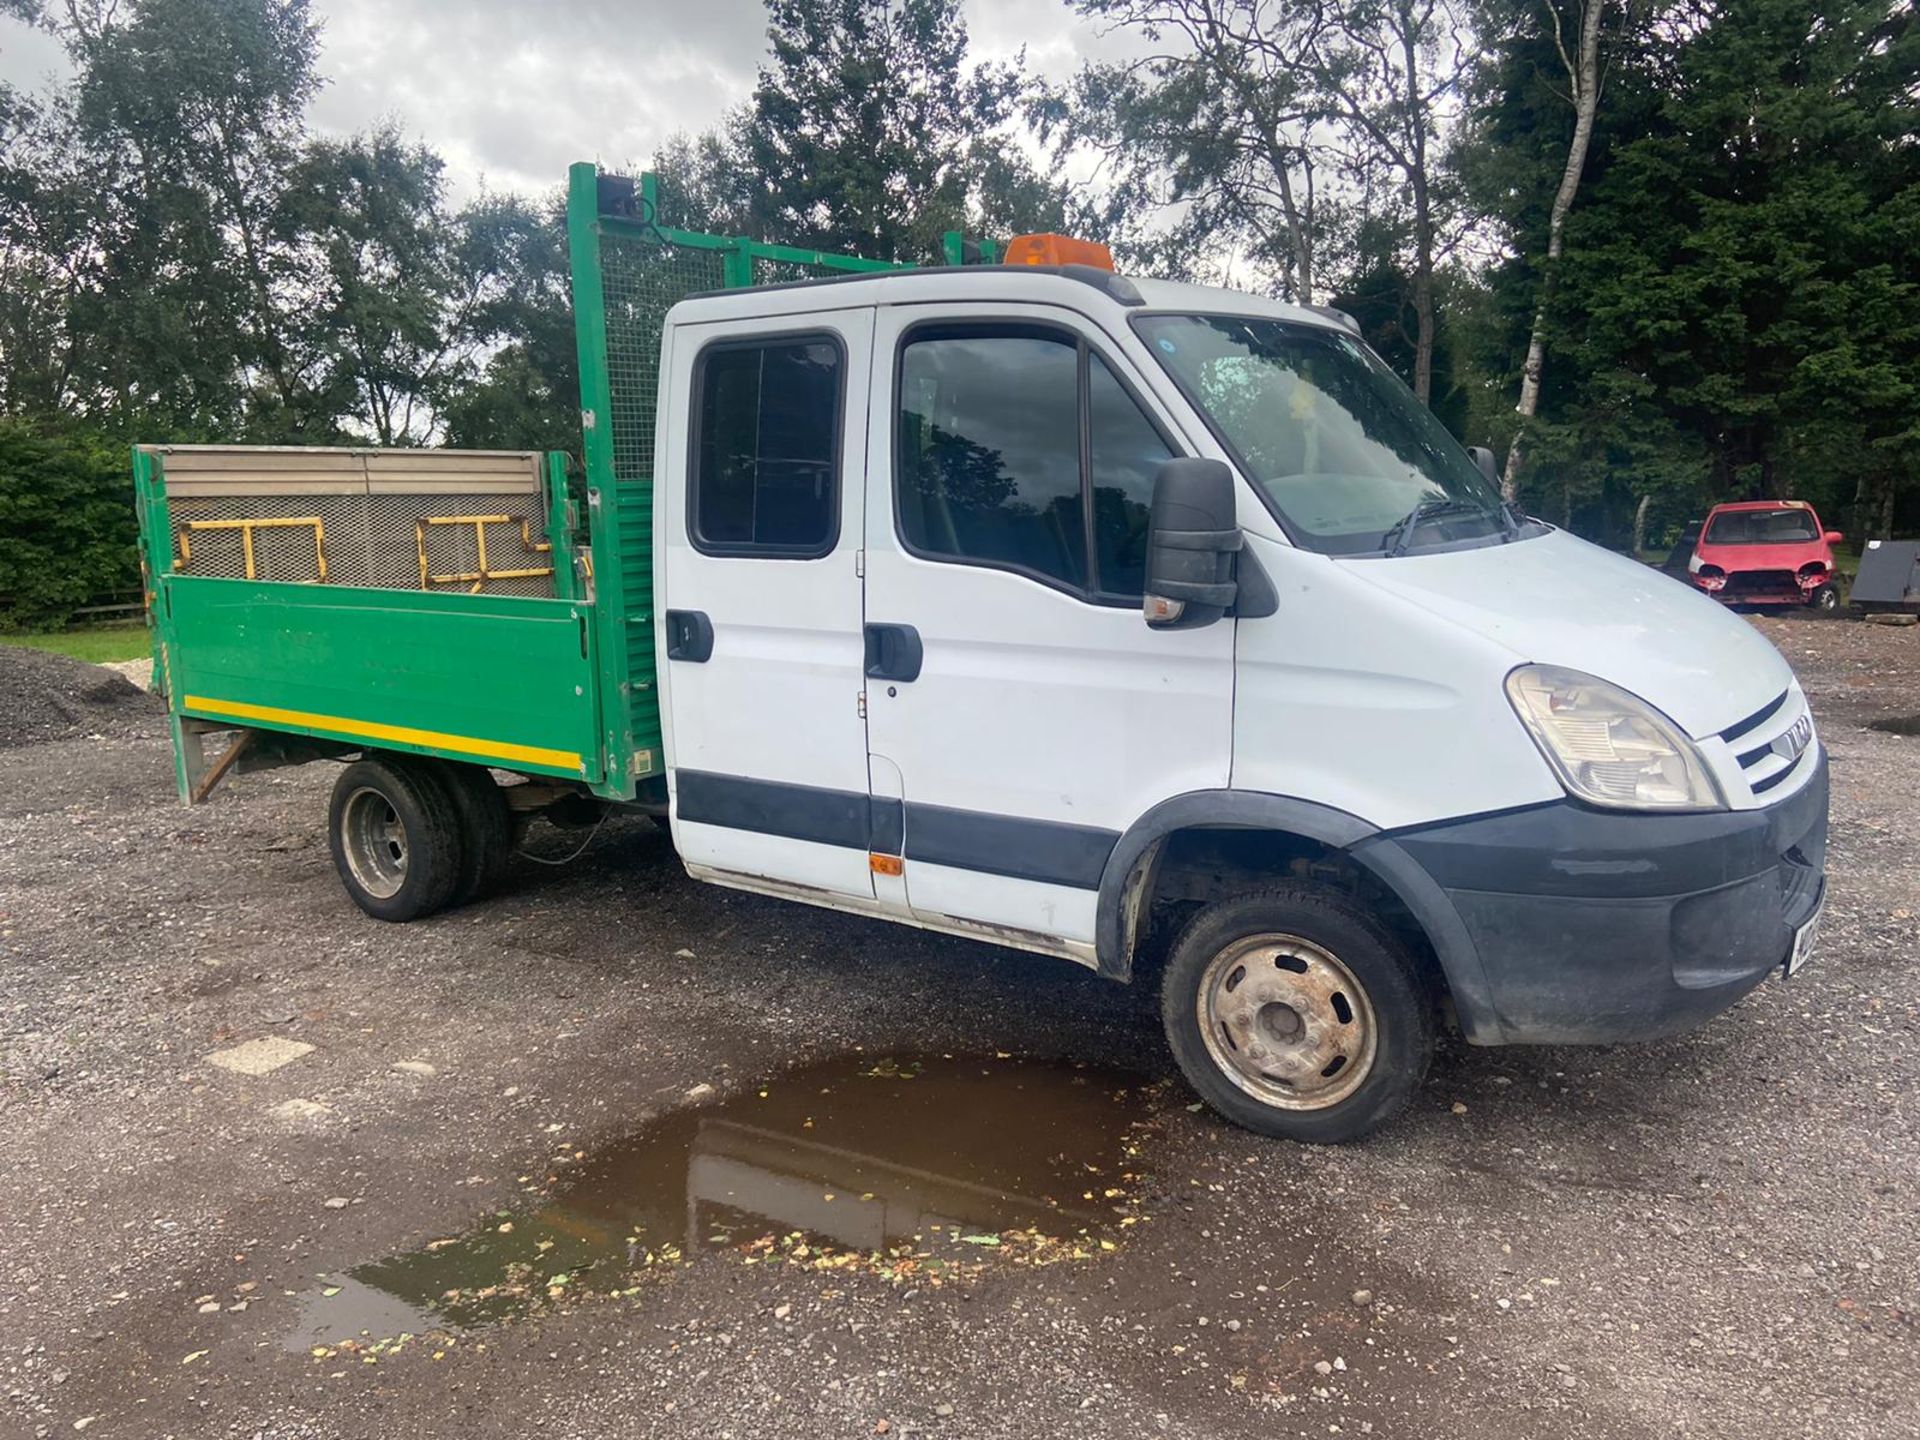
x: 1349, y: 460
x: 1787, y: 526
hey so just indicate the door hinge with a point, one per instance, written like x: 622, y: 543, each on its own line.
x: 861, y: 704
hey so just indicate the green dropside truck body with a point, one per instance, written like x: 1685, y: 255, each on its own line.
x: 559, y: 683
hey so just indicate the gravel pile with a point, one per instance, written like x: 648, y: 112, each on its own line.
x: 45, y: 697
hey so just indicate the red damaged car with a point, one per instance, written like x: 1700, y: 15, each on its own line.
x: 1766, y: 552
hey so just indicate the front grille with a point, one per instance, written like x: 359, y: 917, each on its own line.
x: 1763, y: 745
x: 1762, y: 582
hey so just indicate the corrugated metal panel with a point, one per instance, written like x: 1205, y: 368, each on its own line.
x: 215, y: 471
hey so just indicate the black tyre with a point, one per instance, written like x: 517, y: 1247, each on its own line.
x: 1296, y: 1014
x: 1826, y: 599
x: 395, y: 837
x: 486, y: 830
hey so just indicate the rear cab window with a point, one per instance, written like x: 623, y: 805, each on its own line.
x: 766, y: 447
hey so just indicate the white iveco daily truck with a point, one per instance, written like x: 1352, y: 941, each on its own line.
x: 1036, y: 604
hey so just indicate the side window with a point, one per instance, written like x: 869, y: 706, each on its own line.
x: 1125, y: 454
x: 997, y: 468
x: 990, y: 452
x: 766, y: 448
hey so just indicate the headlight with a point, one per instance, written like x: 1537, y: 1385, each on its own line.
x: 1608, y: 747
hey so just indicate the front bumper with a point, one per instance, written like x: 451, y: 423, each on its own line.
x: 1583, y: 925
x: 1763, y: 587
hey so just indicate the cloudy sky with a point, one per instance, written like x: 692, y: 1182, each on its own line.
x: 511, y: 92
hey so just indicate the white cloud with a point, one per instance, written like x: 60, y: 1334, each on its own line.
x: 510, y: 93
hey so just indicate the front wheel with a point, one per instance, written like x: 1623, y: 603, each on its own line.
x: 1296, y: 1014
x: 1826, y: 599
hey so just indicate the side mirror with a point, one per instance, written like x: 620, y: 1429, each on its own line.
x: 1483, y: 457
x: 1833, y: 537
x: 1193, y: 536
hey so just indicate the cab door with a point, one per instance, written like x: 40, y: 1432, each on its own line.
x: 1018, y: 703
x: 759, y: 527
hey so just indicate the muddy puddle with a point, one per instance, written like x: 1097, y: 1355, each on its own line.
x: 1897, y: 724
x: 921, y: 1170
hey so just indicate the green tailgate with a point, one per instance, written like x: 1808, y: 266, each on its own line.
x: 501, y: 679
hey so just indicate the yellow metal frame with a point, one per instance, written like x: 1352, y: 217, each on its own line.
x: 246, y: 529
x: 478, y: 578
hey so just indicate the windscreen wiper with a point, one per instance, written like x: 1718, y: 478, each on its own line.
x: 1400, y: 534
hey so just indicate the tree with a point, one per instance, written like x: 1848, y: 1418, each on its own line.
x: 704, y: 183
x: 1734, y: 311
x: 190, y: 114
x: 43, y: 239
x: 1583, y: 26
x: 66, y: 524
x: 1219, y: 128
x: 404, y: 294
x: 1252, y: 100
x: 526, y: 396
x: 1389, y: 71
x: 1734, y: 254
x: 868, y: 129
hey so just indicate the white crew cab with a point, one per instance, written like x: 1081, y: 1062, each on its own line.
x: 1078, y: 614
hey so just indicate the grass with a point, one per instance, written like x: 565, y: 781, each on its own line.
x: 96, y: 644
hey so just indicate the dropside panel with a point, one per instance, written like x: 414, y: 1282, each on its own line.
x: 506, y: 681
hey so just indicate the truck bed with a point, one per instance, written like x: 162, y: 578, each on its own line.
x: 431, y: 602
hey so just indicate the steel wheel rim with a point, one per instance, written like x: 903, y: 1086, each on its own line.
x: 374, y: 840
x: 1287, y: 1022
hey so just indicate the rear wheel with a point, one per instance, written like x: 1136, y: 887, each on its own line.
x: 1296, y: 1014
x: 486, y: 831
x: 395, y: 838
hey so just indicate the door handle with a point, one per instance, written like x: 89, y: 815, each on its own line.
x: 689, y: 636
x: 894, y: 652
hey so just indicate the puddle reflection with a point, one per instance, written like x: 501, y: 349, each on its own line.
x: 930, y: 1163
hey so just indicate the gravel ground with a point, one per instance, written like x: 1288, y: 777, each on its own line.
x: 1710, y: 1236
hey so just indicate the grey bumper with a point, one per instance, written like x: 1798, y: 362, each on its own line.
x: 1564, y: 924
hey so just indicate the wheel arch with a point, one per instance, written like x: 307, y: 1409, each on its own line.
x: 1128, y: 883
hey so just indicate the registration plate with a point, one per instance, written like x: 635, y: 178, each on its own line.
x: 1806, y: 938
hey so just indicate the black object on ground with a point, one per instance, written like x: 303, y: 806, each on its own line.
x: 1889, y: 575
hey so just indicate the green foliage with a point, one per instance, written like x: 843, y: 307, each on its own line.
x: 870, y: 134
x: 1217, y: 141
x: 67, y: 530
x: 703, y: 185
x: 1738, y: 311
x: 526, y: 396
x: 186, y: 119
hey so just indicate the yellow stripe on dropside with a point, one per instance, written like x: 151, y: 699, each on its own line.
x: 371, y: 730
